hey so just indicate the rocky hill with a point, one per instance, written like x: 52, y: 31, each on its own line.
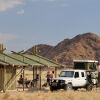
x: 83, y: 46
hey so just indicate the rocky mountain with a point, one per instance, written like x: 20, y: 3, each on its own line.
x: 83, y: 46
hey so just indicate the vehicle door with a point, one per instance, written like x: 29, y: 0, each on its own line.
x: 76, y: 79
x: 83, y: 78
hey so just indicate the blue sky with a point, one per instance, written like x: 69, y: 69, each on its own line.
x: 24, y: 23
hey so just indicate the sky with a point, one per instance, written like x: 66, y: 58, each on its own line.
x: 25, y: 23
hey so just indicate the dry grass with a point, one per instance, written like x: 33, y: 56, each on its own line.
x: 45, y: 94
x: 59, y: 95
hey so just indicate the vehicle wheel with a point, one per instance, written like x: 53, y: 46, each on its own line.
x: 68, y: 87
x: 51, y: 88
x: 75, y: 88
x: 89, y: 87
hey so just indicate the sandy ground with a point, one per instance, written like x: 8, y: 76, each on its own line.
x: 47, y: 95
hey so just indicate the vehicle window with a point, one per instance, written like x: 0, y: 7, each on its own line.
x: 79, y: 66
x: 76, y: 74
x: 67, y: 74
x: 92, y: 66
x: 82, y: 74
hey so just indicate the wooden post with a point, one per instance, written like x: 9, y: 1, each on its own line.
x: 2, y: 70
x: 36, y: 70
x: 23, y: 77
x: 33, y: 77
x: 4, y: 79
x: 55, y: 72
x: 40, y: 79
x: 36, y: 75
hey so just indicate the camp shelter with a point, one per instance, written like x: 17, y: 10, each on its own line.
x: 8, y: 72
x: 10, y: 62
x: 85, y: 64
x: 29, y: 59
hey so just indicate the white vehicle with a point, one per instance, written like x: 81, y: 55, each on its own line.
x: 73, y: 79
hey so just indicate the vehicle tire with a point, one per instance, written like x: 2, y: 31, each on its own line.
x: 75, y: 88
x: 68, y: 87
x: 89, y: 87
x: 51, y: 88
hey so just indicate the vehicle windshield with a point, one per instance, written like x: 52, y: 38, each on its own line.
x: 67, y: 74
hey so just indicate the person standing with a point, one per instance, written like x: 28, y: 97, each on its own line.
x: 48, y: 78
x: 37, y: 78
x: 52, y: 75
x: 98, y: 73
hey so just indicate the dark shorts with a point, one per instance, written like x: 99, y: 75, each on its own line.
x: 48, y: 80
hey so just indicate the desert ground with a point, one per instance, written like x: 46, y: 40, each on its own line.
x: 45, y: 94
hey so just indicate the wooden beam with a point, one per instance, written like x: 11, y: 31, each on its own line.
x: 8, y: 85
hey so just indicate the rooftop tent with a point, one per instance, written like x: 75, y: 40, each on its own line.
x: 93, y: 61
x: 85, y: 64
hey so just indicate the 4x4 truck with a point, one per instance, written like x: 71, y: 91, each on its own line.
x: 73, y: 79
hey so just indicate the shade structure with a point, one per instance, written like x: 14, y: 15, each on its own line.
x: 17, y: 59
x: 10, y: 62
